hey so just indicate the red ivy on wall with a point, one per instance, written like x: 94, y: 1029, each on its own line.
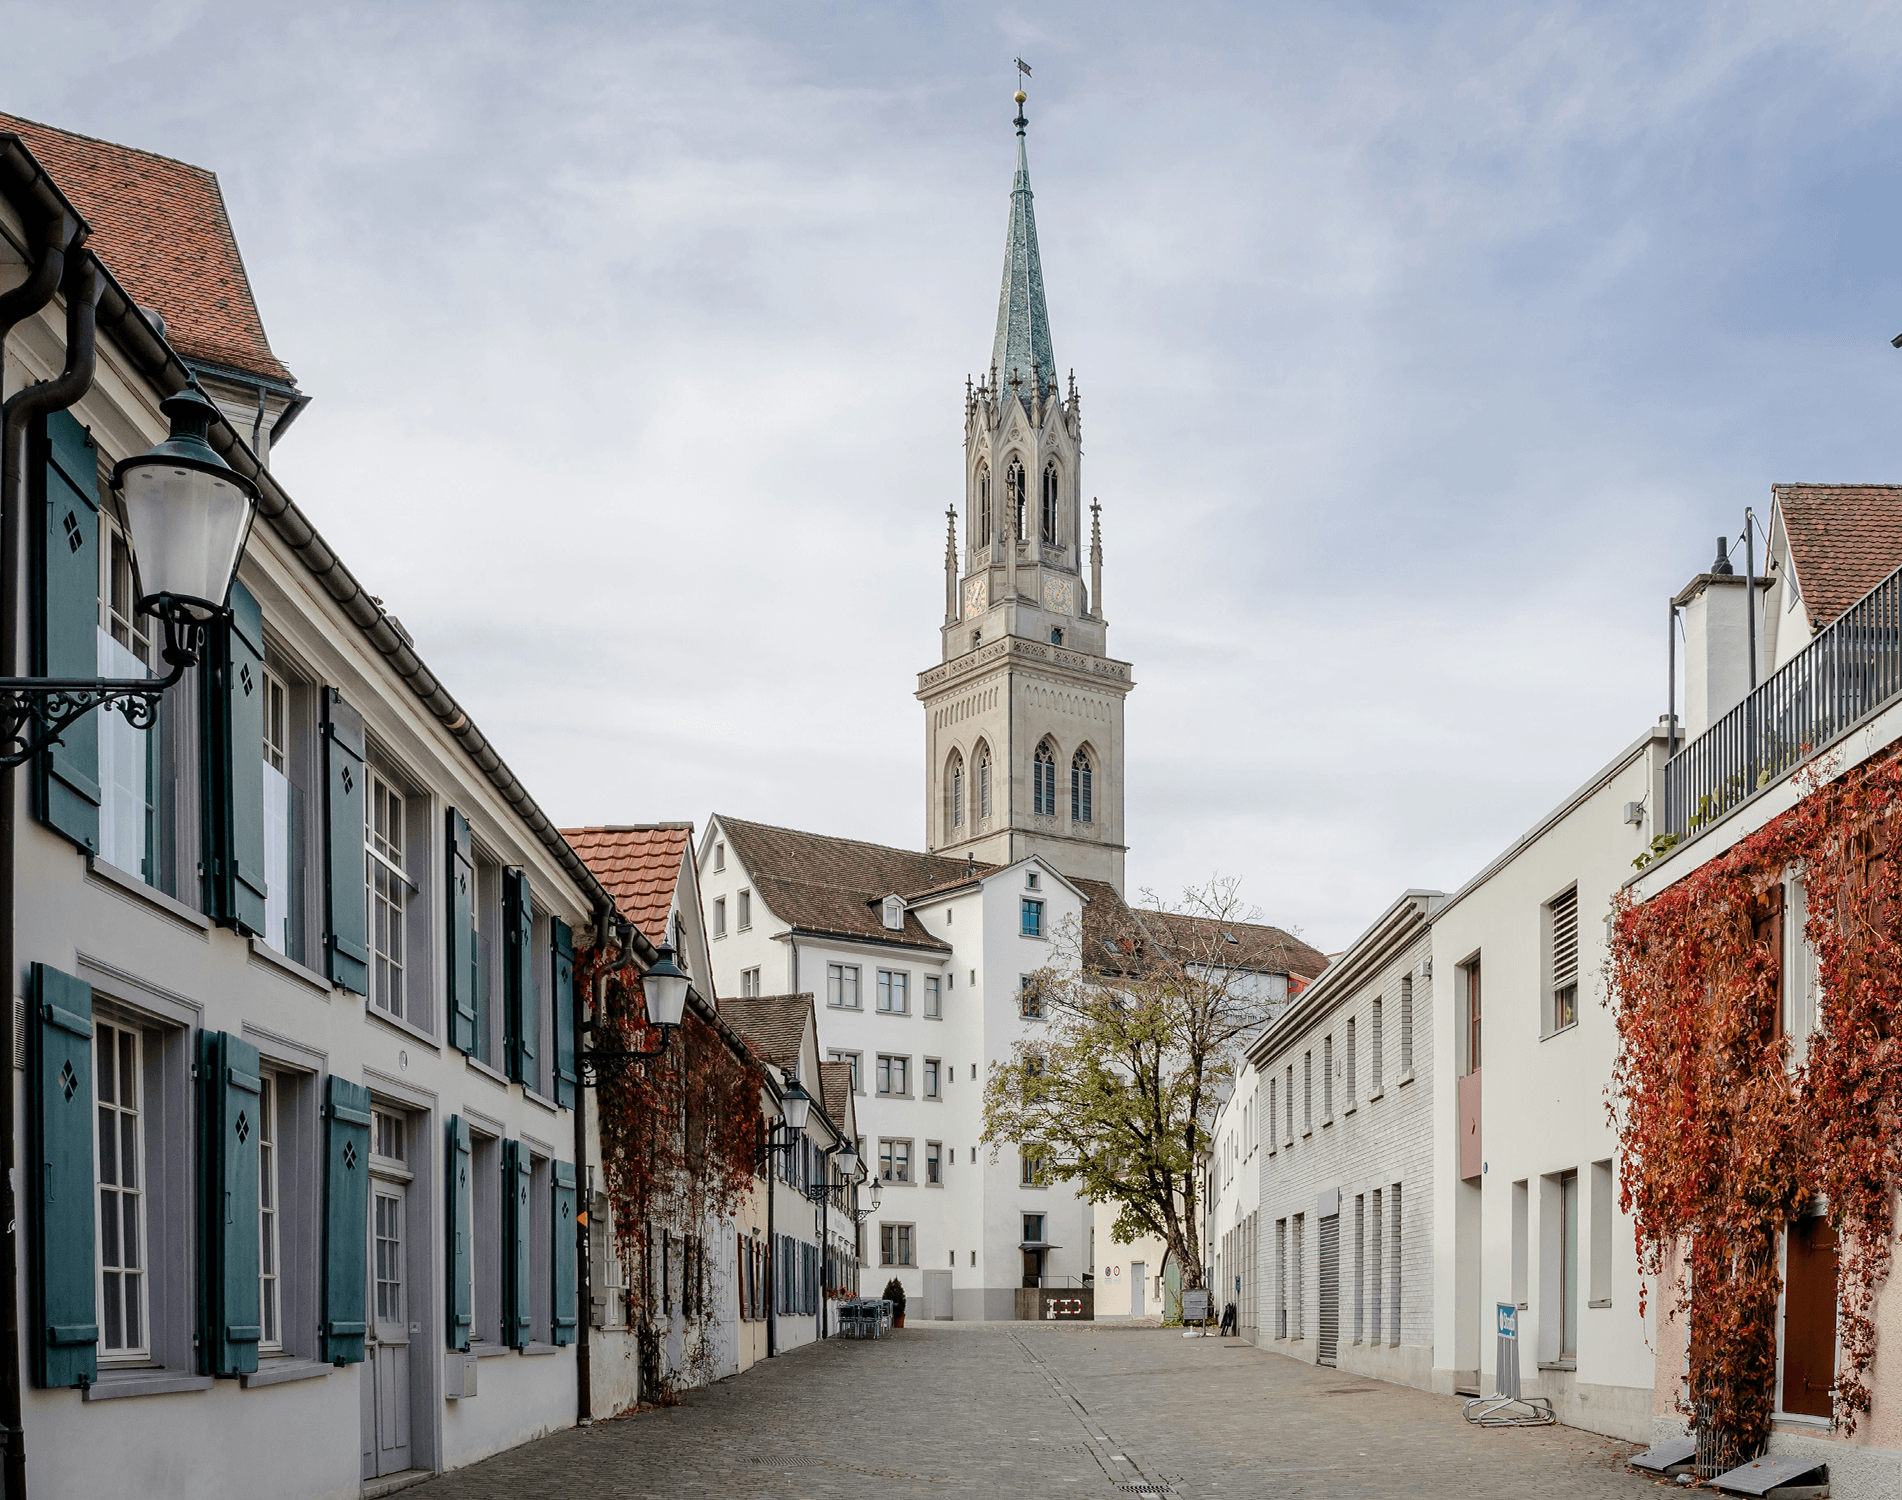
x: 1725, y: 1134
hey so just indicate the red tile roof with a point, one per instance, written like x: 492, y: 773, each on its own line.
x: 1844, y: 539
x: 639, y: 866
x: 161, y: 228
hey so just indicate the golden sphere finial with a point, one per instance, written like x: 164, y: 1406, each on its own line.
x: 1021, y: 96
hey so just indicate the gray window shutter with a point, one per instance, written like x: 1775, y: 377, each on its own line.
x: 565, y: 1251
x: 460, y: 1309
x: 63, y: 475
x: 229, y: 1093
x: 564, y: 1002
x: 65, y: 1331
x: 347, y: 935
x: 464, y: 968
x: 515, y: 1232
x: 346, y: 1220
x: 518, y: 979
x: 232, y: 687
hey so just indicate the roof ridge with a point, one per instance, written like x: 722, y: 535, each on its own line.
x: 835, y: 838
x: 99, y: 140
x: 630, y: 828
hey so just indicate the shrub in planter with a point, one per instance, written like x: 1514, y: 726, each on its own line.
x: 895, y: 1294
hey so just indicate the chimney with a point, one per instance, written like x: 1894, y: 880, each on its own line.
x: 1716, y: 643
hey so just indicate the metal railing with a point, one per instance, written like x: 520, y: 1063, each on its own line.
x: 1850, y: 670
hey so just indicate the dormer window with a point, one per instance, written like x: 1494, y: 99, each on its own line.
x: 894, y: 913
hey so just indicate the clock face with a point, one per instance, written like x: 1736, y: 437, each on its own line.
x: 975, y: 592
x: 1059, y: 596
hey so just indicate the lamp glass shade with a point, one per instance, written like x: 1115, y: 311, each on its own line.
x: 664, y: 988
x: 848, y: 1161
x: 189, y: 514
x: 795, y: 1106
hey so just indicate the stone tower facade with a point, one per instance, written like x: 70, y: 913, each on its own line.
x: 1024, y: 712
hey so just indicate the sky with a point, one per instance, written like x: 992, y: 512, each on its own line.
x: 1424, y: 352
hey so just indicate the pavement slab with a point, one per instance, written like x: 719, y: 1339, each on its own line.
x: 1103, y: 1410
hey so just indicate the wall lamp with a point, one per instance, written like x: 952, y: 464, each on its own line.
x: 664, y: 989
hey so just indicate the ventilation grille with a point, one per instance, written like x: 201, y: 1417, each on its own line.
x: 19, y: 1033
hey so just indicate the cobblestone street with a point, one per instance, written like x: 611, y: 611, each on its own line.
x: 1032, y: 1409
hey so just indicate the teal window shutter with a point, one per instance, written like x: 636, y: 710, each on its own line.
x: 64, y: 476
x: 464, y: 972
x: 232, y: 694
x: 515, y: 1232
x: 566, y: 1249
x: 564, y: 990
x: 518, y: 980
x: 460, y: 1309
x: 65, y: 1331
x: 229, y: 1093
x: 347, y: 938
x: 346, y: 1219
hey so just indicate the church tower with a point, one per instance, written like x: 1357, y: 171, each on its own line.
x: 1024, y: 713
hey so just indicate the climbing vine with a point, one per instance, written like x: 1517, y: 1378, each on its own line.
x: 1725, y: 1134
x: 678, y: 1136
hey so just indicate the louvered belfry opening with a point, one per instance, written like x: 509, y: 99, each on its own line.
x: 1565, y: 960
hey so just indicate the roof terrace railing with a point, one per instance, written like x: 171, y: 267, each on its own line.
x: 1851, y: 669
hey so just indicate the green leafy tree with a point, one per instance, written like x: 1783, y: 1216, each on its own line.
x: 1143, y: 1015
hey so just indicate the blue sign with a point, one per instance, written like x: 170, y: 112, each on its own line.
x: 1508, y: 1321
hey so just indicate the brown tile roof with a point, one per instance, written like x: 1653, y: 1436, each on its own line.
x: 161, y: 228
x: 639, y: 866
x: 774, y: 1026
x: 817, y: 883
x: 1256, y: 945
x: 1844, y: 538
x: 835, y: 1091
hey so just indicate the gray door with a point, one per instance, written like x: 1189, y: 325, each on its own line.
x: 1329, y: 1333
x: 386, y: 1353
x: 1138, y: 1290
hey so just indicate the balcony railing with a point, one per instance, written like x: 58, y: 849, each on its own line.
x: 1842, y: 677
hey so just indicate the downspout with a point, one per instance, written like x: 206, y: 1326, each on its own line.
x: 772, y: 1252
x: 584, y: 1184
x: 26, y: 407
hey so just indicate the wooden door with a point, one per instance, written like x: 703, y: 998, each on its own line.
x: 388, y: 1354
x: 1809, y: 1318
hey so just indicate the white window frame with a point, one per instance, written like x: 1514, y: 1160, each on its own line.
x: 745, y: 911
x: 719, y: 856
x: 396, y: 897
x: 749, y: 983
x: 892, y: 1067
x: 270, y: 1218
x: 112, y: 1033
x: 888, y: 1237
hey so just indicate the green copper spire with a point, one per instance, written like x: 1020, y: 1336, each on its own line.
x: 1021, y: 349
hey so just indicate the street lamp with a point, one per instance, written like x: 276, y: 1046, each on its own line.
x: 664, y: 989
x: 189, y: 514
x: 848, y: 1160
x: 795, y: 1105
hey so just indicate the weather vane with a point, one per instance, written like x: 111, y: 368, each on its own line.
x: 1023, y: 68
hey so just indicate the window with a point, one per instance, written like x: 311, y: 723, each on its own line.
x: 934, y: 1004
x: 389, y: 892
x: 842, y: 986
x: 1307, y: 1091
x: 270, y: 1238
x: 1603, y: 1200
x: 1056, y: 635
x: 894, y: 1244
x: 719, y: 857
x: 1048, y: 527
x: 1033, y: 1229
x: 1031, y: 880
x: 1568, y: 1265
x: 749, y: 983
x: 719, y: 916
x: 1014, y: 491
x: 1029, y: 998
x: 983, y: 505
x: 894, y: 992
x: 1281, y: 1278
x: 1374, y: 1061
x: 1288, y: 1094
x: 957, y: 791
x: 126, y: 755
x: 1081, y: 777
x: 1375, y: 1244
x: 1360, y: 1264
x: 1393, y: 1269
x: 1563, y: 917
x: 984, y: 781
x: 1406, y: 1026
x: 934, y: 1164
x: 1032, y: 918
x: 1350, y: 1061
x: 387, y: 1139
x: 1043, y: 782
x: 1327, y: 1078
x: 894, y: 1161
x: 1029, y: 1169
x: 118, y: 1088
x: 1273, y: 1115
x: 892, y: 1071
x: 851, y: 1060
x: 283, y: 824
x: 1470, y: 971
x: 931, y: 1077
x: 746, y: 910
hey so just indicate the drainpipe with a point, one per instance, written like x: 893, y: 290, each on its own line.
x: 584, y: 1184
x: 83, y: 286
x: 1750, y: 588
x: 772, y: 1253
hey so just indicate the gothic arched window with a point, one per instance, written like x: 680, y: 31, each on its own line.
x: 983, y: 505
x: 956, y: 781
x: 1043, y: 782
x: 984, y: 781
x: 1050, y: 502
x: 1080, y: 777
x: 1014, y: 486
